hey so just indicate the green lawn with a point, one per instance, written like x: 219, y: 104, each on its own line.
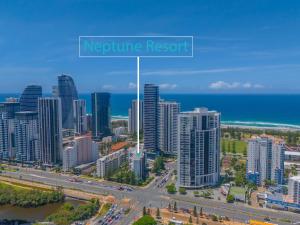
x: 228, y: 144
x: 237, y: 191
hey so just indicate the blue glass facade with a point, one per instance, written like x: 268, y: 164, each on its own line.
x: 29, y: 98
x: 67, y: 94
x: 101, y: 115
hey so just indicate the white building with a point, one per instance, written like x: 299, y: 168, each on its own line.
x: 266, y: 157
x: 132, y: 116
x: 294, y: 189
x: 198, y: 148
x: 168, y: 128
x: 86, y: 151
x: 108, y: 164
x: 27, y: 140
x: 69, y: 158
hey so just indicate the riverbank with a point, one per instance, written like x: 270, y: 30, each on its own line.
x: 76, y: 194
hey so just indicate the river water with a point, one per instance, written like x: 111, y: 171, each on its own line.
x: 33, y: 214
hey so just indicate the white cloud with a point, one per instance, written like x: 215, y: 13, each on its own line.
x: 234, y: 85
x: 167, y: 86
x: 107, y: 87
x: 132, y: 85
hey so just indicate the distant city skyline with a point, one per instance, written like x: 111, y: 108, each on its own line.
x: 240, y: 47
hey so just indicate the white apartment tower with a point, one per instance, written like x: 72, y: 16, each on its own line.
x: 266, y: 157
x: 198, y: 148
x: 168, y: 126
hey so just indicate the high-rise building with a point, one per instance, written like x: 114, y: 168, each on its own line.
x: 278, y: 157
x: 198, y: 148
x: 132, y: 117
x: 294, y: 189
x: 80, y: 118
x: 27, y: 140
x: 151, y: 110
x: 101, y: 115
x: 4, y: 154
x: 168, y: 128
x: 67, y: 93
x: 55, y: 91
x: 265, y: 156
x: 29, y: 98
x: 50, y: 130
x: 10, y: 107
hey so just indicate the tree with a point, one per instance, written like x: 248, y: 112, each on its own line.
x: 158, y: 165
x: 229, y: 146
x: 195, y: 213
x: 190, y: 219
x: 201, y: 211
x: 182, y: 190
x: 197, y: 221
x: 234, y: 147
x: 230, y: 198
x: 145, y: 220
x: 171, y: 188
x: 149, y: 211
x: 223, y: 147
x: 144, y: 211
x: 175, y: 207
x: 157, y: 213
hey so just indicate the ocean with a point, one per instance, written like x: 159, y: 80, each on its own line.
x: 244, y: 110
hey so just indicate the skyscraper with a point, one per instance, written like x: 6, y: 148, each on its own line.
x: 29, y: 98
x: 27, y: 140
x: 67, y: 93
x: 50, y: 130
x: 4, y: 154
x: 168, y: 136
x: 10, y: 108
x: 80, y: 118
x: 198, y: 148
x: 132, y: 116
x: 101, y: 115
x: 266, y: 157
x: 151, y: 99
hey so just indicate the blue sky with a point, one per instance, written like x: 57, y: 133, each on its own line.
x: 239, y: 46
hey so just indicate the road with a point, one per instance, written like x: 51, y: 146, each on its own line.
x: 153, y: 196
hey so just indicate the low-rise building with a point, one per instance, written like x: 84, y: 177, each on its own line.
x: 294, y: 189
x: 85, y: 149
x: 139, y: 165
x: 108, y: 164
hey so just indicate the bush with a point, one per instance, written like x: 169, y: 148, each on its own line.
x: 230, y: 198
x: 171, y: 188
x: 28, y: 198
x: 182, y: 190
x: 68, y: 214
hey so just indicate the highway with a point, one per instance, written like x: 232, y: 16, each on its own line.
x: 153, y: 196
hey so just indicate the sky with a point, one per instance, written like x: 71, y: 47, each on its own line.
x: 239, y: 46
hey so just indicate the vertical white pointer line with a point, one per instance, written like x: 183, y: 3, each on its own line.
x: 138, y: 103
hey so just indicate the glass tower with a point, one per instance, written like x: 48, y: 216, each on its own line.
x: 29, y: 98
x: 67, y: 93
x: 101, y: 115
x: 151, y: 120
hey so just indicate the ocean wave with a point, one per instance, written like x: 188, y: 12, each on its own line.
x: 119, y: 117
x: 261, y: 124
